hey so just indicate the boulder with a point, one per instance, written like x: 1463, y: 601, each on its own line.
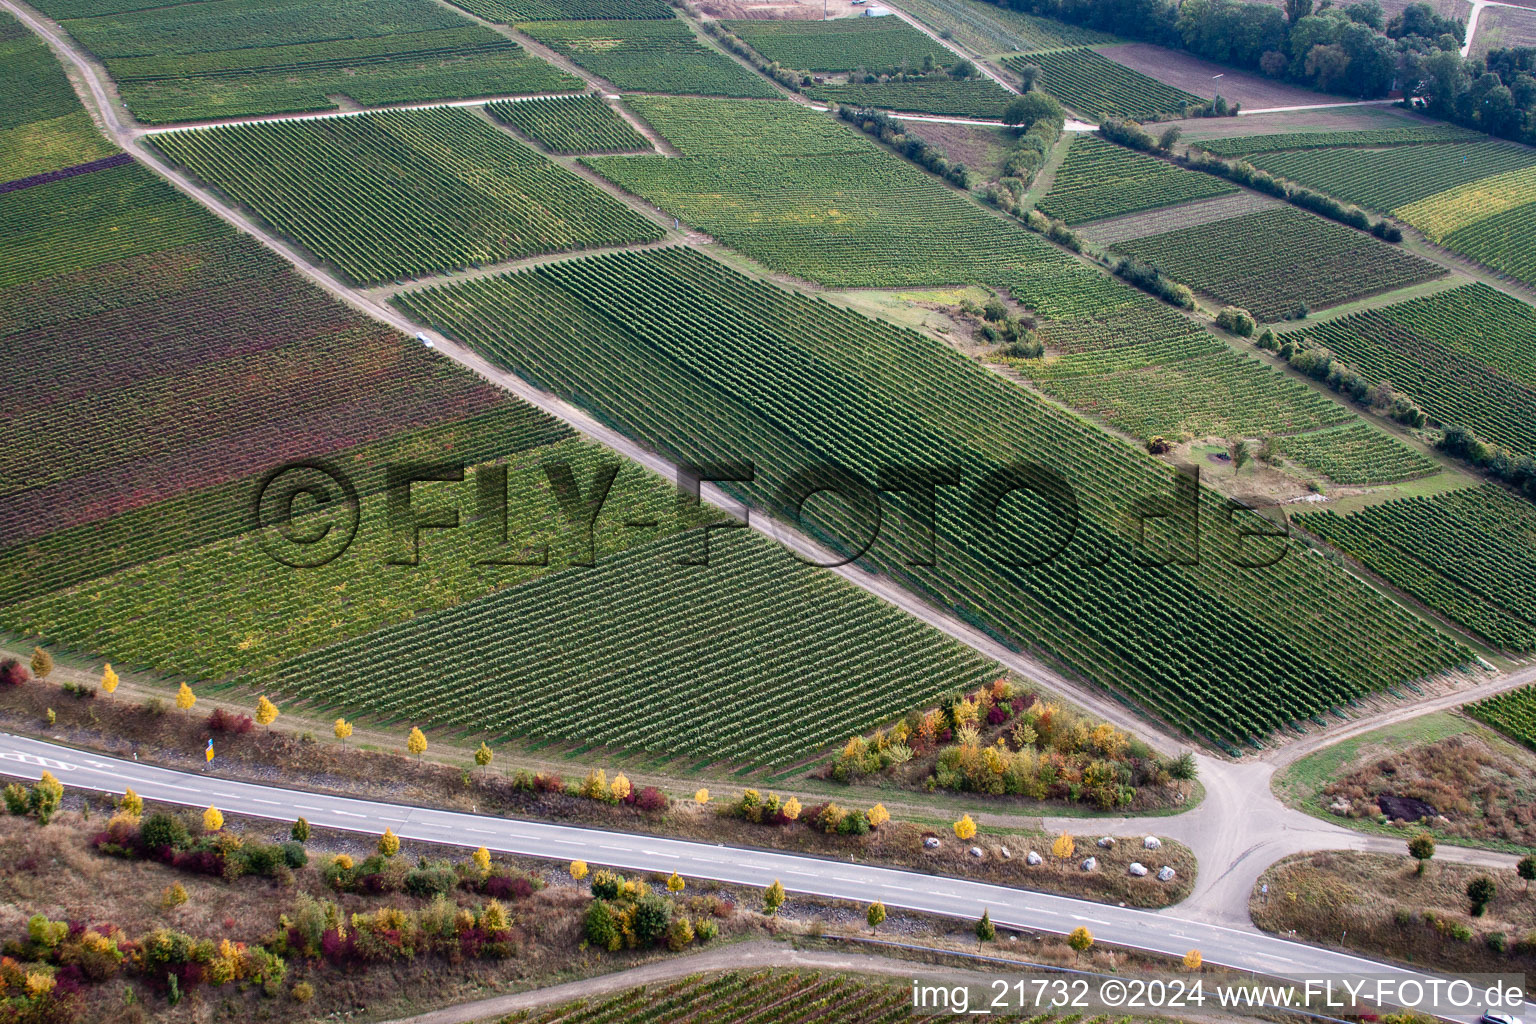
x: 975, y: 851
x: 1091, y: 864
x: 931, y: 843
x: 1106, y: 841
x: 1165, y: 873
x: 1137, y: 870
x: 1034, y: 859
x: 1006, y: 855
x: 1339, y: 807
x: 1151, y: 843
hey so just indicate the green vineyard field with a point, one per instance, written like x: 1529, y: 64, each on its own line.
x: 1512, y: 713
x: 1467, y: 356
x: 650, y: 56
x: 992, y: 29
x: 1274, y: 261
x: 972, y: 97
x: 1385, y: 179
x: 571, y: 124
x: 402, y: 193
x: 42, y: 127
x: 510, y: 11
x: 1100, y: 179
x: 1091, y: 84
x: 1468, y: 554
x: 844, y: 44
x: 1356, y: 453
x: 706, y: 365
x: 232, y: 58
x: 1409, y: 134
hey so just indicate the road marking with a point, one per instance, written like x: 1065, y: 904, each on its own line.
x: 269, y: 803
x: 349, y: 814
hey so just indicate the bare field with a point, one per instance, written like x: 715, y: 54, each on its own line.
x: 980, y: 149
x: 1503, y: 27
x: 1202, y: 78
x: 1170, y: 218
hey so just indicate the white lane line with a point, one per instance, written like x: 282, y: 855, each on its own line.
x: 349, y: 814
x: 887, y: 885
x: 616, y: 849
x: 269, y: 803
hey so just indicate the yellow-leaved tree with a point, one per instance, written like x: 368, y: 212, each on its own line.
x: 578, y: 869
x: 878, y: 816
x: 108, y: 680
x: 1081, y: 940
x: 675, y: 883
x: 1193, y: 960
x: 342, y: 729
x: 701, y: 797
x: 965, y: 828
x: 131, y: 803
x: 1064, y: 846
x: 482, y: 859
x: 791, y: 809
x: 213, y: 820
x: 620, y: 787
x: 773, y: 898
x: 266, y: 711
x: 494, y: 917
x: 483, y: 755
x: 42, y: 663
x: 185, y: 698
x: 416, y: 742
x: 389, y: 843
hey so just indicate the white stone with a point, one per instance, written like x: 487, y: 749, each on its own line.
x: 931, y: 843
x: 1106, y: 841
x: 1034, y: 859
x: 1165, y: 874
x: 975, y: 851
x: 1005, y: 852
x: 1137, y: 870
x: 1152, y: 843
x: 1091, y: 864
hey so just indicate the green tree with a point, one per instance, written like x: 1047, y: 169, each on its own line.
x: 1240, y: 455
x: 300, y: 831
x: 483, y: 755
x: 773, y: 898
x: 1421, y: 848
x: 653, y: 915
x: 1031, y: 108
x: 986, y: 931
x: 601, y: 928
x: 1526, y: 869
x: 1480, y: 892
x: 1170, y: 135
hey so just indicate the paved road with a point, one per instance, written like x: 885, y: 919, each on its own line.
x: 948, y: 897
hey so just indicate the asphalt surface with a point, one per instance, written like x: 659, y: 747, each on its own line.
x: 948, y: 897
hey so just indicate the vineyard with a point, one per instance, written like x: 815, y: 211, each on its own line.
x: 844, y: 44
x: 231, y: 58
x: 510, y: 11
x: 756, y: 658
x: 1409, y: 134
x: 1467, y: 356
x: 1100, y: 179
x: 571, y: 124
x: 42, y: 127
x: 1091, y: 84
x: 845, y: 213
x: 1386, y: 179
x: 650, y: 56
x: 403, y: 193
x: 1467, y: 554
x: 706, y: 365
x: 1275, y: 262
x: 1512, y: 713
x: 971, y: 97
x: 741, y: 998
x: 1492, y: 219
x: 1505, y: 241
x: 993, y: 29
x: 1356, y: 453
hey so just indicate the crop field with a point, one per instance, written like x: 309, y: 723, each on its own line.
x: 1467, y: 554
x: 403, y: 193
x: 755, y: 658
x: 232, y: 58
x: 1408, y: 134
x: 42, y: 127
x: 571, y: 124
x: 1467, y: 356
x: 845, y: 213
x: 1355, y: 453
x: 1100, y: 179
x: 1512, y: 713
x: 1275, y: 261
x: 1387, y: 179
x: 1091, y: 84
x: 511, y: 11
x: 972, y: 97
x: 650, y: 56
x: 843, y: 44
x: 698, y: 361
x: 992, y: 29
x: 1505, y: 241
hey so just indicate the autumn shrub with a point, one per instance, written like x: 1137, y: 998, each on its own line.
x: 220, y: 720
x: 12, y: 672
x: 650, y: 800
x: 548, y: 783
